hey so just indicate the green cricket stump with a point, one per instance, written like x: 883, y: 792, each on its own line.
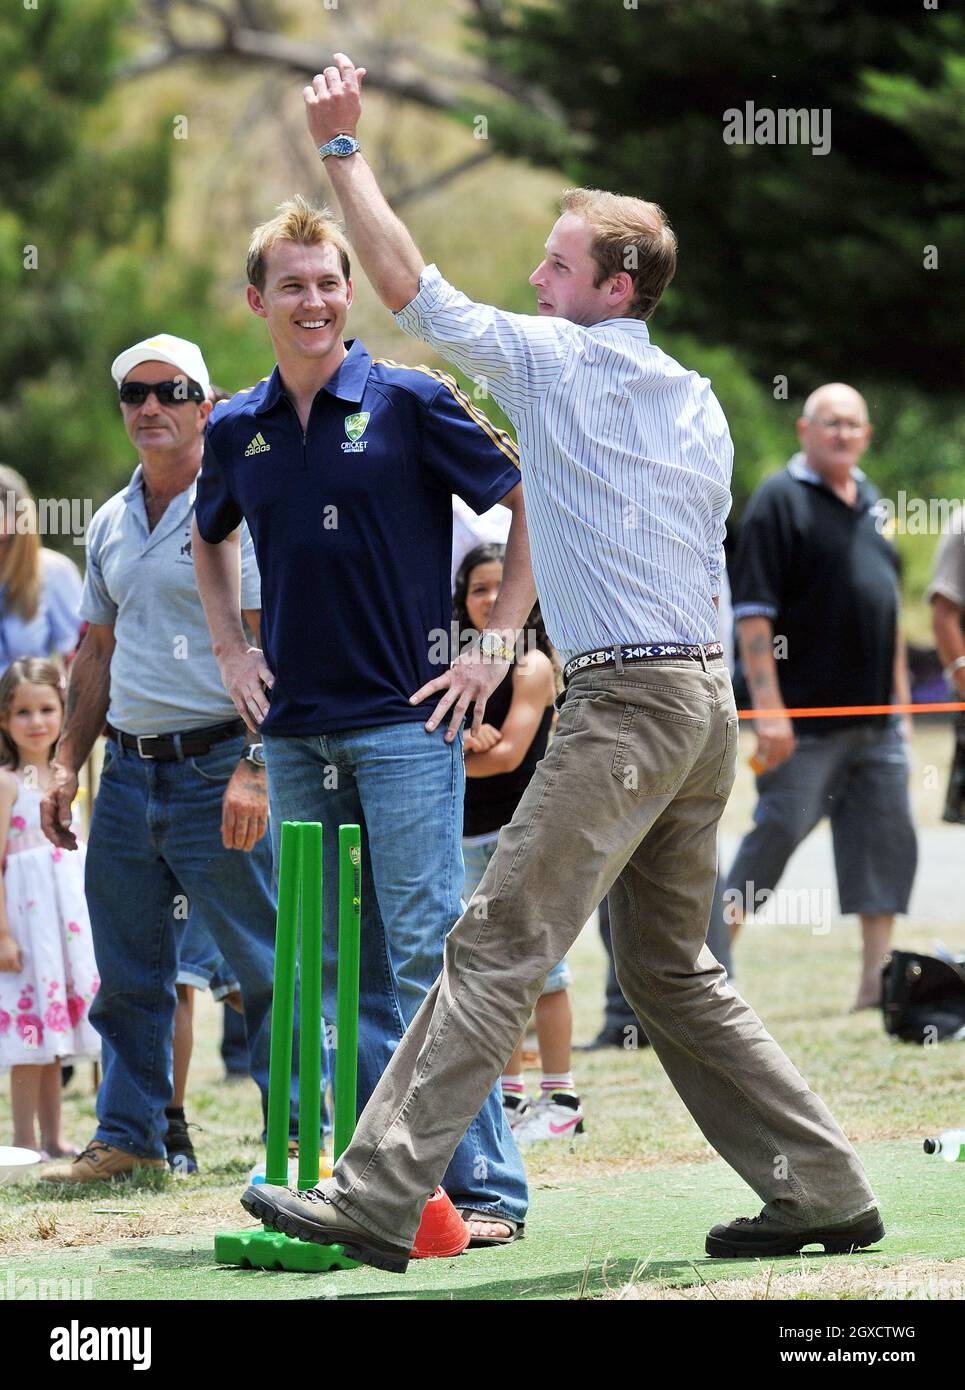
x: 300, y: 901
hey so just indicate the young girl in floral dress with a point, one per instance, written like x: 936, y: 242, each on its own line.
x: 47, y: 972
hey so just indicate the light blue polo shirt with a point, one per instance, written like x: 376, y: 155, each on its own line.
x: 164, y: 676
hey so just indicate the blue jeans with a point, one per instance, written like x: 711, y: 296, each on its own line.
x: 200, y: 964
x: 404, y: 788
x: 155, y: 853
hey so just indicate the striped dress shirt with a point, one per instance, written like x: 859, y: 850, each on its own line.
x: 626, y: 461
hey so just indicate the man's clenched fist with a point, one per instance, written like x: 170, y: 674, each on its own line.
x: 333, y: 102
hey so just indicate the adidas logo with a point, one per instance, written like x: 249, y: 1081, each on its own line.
x: 257, y: 446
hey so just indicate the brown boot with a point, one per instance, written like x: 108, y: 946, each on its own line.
x: 98, y: 1163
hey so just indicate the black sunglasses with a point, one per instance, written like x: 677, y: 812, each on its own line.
x: 175, y: 392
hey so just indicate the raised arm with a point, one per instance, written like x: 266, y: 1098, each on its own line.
x: 518, y: 355
x: 382, y: 242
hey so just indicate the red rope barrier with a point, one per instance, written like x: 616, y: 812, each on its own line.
x: 827, y: 711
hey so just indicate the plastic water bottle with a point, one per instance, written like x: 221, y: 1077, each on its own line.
x: 951, y: 1145
x: 325, y: 1165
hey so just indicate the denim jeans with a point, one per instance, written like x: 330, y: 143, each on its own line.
x: 200, y: 964
x: 404, y: 788
x: 155, y: 853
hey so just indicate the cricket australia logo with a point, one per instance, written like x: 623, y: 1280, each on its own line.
x: 354, y: 429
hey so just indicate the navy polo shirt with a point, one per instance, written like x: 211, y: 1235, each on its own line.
x: 352, y: 527
x: 826, y: 576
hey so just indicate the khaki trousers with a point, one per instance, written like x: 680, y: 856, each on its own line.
x: 626, y: 801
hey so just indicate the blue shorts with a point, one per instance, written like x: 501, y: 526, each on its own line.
x: 859, y: 779
x: 477, y: 853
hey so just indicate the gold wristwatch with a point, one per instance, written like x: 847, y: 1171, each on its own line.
x: 492, y: 646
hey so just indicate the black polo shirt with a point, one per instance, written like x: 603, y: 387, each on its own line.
x: 352, y: 527
x: 828, y: 580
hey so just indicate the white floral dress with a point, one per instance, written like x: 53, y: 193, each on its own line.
x: 44, y: 1008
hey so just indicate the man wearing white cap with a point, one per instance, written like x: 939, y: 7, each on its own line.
x: 180, y: 818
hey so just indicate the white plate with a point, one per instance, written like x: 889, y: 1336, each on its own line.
x: 16, y: 1163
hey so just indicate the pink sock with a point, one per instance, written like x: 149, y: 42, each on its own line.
x: 557, y: 1081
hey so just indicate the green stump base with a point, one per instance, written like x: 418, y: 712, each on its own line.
x: 271, y: 1250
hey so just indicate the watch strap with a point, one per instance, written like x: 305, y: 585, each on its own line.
x: 341, y: 146
x: 495, y: 646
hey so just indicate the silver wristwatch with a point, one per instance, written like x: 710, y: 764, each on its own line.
x: 255, y: 754
x: 342, y: 146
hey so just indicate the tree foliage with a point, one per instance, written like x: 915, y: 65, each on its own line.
x: 812, y: 265
x: 82, y: 233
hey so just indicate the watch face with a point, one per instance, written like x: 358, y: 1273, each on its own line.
x: 343, y: 144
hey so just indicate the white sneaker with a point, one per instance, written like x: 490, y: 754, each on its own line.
x: 557, y: 1116
x: 516, y: 1108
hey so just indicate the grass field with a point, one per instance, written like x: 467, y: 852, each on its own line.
x: 619, y: 1213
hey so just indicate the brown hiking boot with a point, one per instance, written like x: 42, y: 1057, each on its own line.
x: 98, y: 1163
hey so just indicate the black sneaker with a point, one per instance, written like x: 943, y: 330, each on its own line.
x: 760, y: 1235
x: 515, y: 1107
x: 177, y: 1142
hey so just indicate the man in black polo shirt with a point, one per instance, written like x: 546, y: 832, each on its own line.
x: 816, y: 605
x: 344, y: 468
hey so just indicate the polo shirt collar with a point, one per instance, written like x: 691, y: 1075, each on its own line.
x: 272, y: 395
x: 177, y: 509
x: 348, y: 383
x: 798, y: 468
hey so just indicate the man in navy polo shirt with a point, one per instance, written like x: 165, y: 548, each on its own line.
x: 344, y: 468
x: 814, y: 568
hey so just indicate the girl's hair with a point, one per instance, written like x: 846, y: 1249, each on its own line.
x: 20, y: 564
x: 36, y: 670
x: 534, y: 633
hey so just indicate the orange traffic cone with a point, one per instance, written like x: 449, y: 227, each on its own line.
x: 442, y: 1231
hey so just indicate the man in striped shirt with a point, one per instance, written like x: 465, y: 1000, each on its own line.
x: 626, y: 462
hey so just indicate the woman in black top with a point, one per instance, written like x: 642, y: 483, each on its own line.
x: 500, y: 760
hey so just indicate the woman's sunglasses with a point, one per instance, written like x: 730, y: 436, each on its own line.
x: 168, y: 392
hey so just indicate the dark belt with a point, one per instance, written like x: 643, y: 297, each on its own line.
x: 168, y: 747
x: 630, y: 656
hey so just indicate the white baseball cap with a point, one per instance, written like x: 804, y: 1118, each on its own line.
x: 163, y: 347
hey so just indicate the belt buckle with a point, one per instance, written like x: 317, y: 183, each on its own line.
x: 140, y: 751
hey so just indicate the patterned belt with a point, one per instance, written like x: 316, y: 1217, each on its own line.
x: 629, y: 656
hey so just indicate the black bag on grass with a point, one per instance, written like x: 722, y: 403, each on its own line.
x: 923, y: 998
